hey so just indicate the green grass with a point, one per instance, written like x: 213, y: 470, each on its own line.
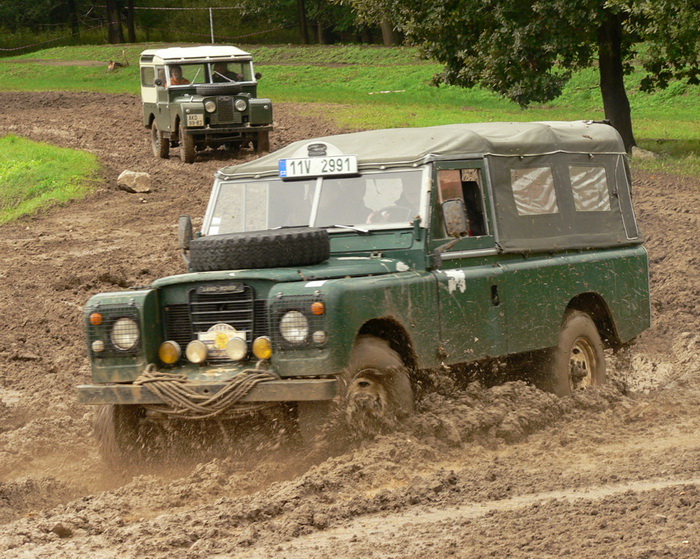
x: 380, y: 87
x: 35, y: 176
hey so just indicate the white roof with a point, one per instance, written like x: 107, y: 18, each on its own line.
x: 184, y: 54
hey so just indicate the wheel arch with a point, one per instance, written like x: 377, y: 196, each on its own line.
x: 597, y: 308
x: 396, y: 336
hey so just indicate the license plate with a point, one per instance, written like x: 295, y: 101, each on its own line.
x: 318, y: 166
x: 195, y: 120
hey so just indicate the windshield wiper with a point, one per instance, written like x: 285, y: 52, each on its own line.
x: 352, y: 227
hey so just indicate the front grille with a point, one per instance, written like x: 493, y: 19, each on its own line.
x: 208, y: 305
x: 226, y: 112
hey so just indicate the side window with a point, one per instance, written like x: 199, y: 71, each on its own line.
x: 148, y: 76
x: 533, y: 190
x: 465, y: 184
x: 590, y: 187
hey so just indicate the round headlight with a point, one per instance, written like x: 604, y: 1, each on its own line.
x: 210, y: 106
x: 125, y: 333
x: 236, y: 349
x: 262, y: 347
x: 240, y: 105
x: 196, y: 351
x: 169, y: 352
x: 294, y: 327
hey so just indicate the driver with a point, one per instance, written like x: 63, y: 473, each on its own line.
x: 176, y: 77
x: 223, y: 74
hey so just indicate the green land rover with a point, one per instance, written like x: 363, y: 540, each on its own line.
x: 199, y: 97
x: 331, y: 273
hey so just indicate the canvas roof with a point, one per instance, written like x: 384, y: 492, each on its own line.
x: 405, y: 146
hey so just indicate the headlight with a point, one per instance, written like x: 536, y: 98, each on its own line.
x: 240, y: 105
x: 210, y: 106
x: 125, y: 334
x: 294, y: 327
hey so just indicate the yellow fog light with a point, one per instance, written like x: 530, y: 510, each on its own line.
x: 262, y: 347
x: 169, y: 352
x: 196, y: 351
x: 236, y: 349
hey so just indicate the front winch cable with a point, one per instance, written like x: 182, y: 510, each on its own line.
x: 183, y: 401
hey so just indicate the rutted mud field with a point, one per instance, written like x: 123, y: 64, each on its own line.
x: 480, y: 471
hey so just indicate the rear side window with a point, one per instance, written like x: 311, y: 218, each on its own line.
x: 533, y: 190
x: 590, y: 186
x: 147, y: 76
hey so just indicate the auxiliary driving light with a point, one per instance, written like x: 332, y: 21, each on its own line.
x: 169, y: 352
x: 262, y: 347
x: 236, y: 349
x: 196, y: 351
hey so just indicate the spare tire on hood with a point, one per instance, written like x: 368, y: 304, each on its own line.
x: 297, y: 246
x: 219, y: 88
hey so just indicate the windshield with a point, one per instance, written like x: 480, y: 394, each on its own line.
x: 374, y: 200
x: 217, y: 72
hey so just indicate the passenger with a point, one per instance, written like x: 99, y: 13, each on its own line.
x: 176, y: 76
x: 223, y: 74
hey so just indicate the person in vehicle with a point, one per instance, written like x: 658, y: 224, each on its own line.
x: 221, y: 73
x: 176, y: 77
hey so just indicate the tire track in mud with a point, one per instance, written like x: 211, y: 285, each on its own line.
x: 377, y: 529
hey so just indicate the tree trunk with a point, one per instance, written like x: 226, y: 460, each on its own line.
x: 130, y: 21
x: 73, y: 15
x: 303, y: 24
x: 612, y: 81
x: 388, y: 33
x: 114, y: 23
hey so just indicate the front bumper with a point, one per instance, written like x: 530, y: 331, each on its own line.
x: 295, y: 390
x: 221, y: 130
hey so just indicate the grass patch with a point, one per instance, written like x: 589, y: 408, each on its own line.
x: 382, y: 87
x: 35, y: 176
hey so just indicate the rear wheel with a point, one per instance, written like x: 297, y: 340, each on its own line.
x: 160, y: 145
x: 186, y: 145
x: 578, y: 361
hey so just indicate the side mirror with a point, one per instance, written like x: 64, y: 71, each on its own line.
x: 454, y: 213
x: 258, y: 75
x: 158, y: 82
x: 184, y: 232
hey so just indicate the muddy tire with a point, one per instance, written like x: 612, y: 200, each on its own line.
x: 120, y: 435
x: 375, y: 394
x: 160, y: 145
x: 187, y: 151
x: 578, y: 361
x: 261, y: 144
x: 302, y: 246
x: 219, y: 89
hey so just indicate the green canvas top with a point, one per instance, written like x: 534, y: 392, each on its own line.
x: 407, y: 146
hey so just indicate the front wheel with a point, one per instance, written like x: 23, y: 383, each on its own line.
x: 121, y: 434
x: 186, y: 145
x: 578, y: 361
x: 160, y: 145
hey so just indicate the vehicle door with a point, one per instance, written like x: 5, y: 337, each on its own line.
x: 471, y: 305
x: 162, y: 111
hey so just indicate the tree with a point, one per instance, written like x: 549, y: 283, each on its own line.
x: 114, y: 22
x: 527, y: 50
